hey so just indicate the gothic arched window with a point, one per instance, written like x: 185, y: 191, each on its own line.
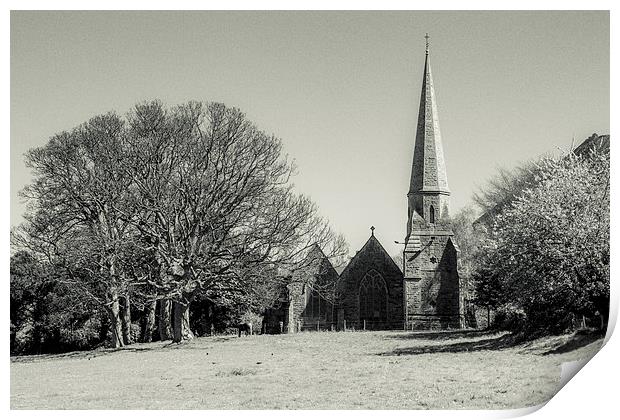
x: 431, y: 214
x: 315, y: 305
x: 373, y: 297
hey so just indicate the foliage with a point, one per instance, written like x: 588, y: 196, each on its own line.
x: 470, y: 239
x: 509, y: 317
x: 548, y: 251
x: 46, y: 315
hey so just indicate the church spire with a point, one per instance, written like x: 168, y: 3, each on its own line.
x: 428, y: 188
x: 428, y: 172
x: 430, y: 257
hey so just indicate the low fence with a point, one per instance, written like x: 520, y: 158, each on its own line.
x: 348, y: 325
x: 422, y: 322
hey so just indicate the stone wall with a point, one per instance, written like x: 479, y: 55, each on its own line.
x: 307, y: 308
x: 371, y: 257
x: 310, y: 295
x: 429, y: 295
x: 421, y: 203
x: 432, y: 285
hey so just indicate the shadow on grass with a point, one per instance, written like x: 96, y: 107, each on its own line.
x: 223, y: 339
x: 199, y: 342
x: 494, y: 343
x: 575, y: 342
x: 133, y: 348
x: 543, y: 346
x: 439, y: 335
x: 79, y: 355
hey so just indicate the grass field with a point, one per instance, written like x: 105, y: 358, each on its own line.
x: 327, y: 370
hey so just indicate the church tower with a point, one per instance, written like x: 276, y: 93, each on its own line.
x: 431, y: 280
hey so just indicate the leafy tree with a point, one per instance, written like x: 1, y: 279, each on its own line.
x: 549, y: 249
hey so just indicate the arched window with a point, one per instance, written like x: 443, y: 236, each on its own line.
x: 373, y: 297
x: 315, y: 305
x: 431, y: 214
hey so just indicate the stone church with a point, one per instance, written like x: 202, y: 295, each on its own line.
x: 373, y: 292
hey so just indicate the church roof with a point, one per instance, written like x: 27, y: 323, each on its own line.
x: 428, y: 172
x: 316, y: 263
x: 372, y: 244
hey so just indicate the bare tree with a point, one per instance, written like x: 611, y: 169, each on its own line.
x: 72, y: 217
x: 503, y: 188
x: 213, y: 201
x: 167, y: 203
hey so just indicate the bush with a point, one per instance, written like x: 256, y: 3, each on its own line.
x: 255, y: 319
x: 82, y: 337
x: 509, y: 317
x: 47, y: 316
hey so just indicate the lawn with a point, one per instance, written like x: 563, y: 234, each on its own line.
x: 322, y: 370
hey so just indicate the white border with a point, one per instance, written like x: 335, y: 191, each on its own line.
x: 592, y: 395
x: 307, y: 5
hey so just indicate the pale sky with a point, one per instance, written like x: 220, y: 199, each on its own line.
x: 340, y: 88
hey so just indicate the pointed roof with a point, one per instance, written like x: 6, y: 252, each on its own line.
x: 317, y: 263
x: 428, y: 172
x: 372, y: 244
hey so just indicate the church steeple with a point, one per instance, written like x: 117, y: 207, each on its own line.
x: 428, y: 171
x: 428, y: 188
x: 430, y: 257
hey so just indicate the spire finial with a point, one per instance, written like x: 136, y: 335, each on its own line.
x: 372, y: 231
x: 426, y: 37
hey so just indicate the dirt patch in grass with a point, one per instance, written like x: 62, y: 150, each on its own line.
x: 237, y: 372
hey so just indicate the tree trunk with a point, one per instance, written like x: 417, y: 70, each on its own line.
x: 113, y: 312
x: 125, y: 314
x: 488, y: 317
x: 104, y: 328
x: 34, y: 319
x: 165, y: 329
x: 149, y: 325
x: 180, y: 323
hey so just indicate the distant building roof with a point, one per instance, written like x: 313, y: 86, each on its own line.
x: 592, y: 142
